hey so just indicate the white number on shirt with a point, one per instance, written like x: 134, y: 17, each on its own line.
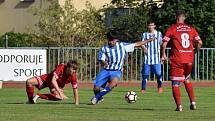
x: 185, y: 40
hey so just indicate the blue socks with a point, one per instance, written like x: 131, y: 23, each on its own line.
x: 103, y: 92
x: 144, y: 81
x: 159, y: 80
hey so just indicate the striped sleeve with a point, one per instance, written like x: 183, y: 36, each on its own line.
x: 143, y: 37
x: 101, y: 54
x: 129, y: 47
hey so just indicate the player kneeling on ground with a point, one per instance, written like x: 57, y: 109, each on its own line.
x: 112, y: 56
x: 56, y: 80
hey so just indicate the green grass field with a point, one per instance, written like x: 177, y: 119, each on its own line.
x: 149, y: 107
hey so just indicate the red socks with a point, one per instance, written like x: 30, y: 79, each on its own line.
x: 190, y: 92
x: 48, y: 97
x: 177, y: 95
x: 30, y: 93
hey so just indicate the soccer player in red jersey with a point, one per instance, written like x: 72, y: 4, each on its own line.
x: 55, y: 81
x: 182, y: 38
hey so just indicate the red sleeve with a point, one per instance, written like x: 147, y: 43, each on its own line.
x: 58, y: 70
x: 196, y: 36
x: 74, y: 81
x: 168, y: 34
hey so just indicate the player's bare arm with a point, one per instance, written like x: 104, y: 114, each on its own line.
x: 197, y: 45
x: 144, y: 49
x: 163, y: 53
x: 54, y: 82
x: 141, y: 43
x: 76, y: 97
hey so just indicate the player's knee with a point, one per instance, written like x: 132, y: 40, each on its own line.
x: 113, y: 83
x: 175, y: 84
x: 187, y: 81
x: 29, y: 82
x: 96, y: 88
x: 145, y: 76
x: 158, y: 74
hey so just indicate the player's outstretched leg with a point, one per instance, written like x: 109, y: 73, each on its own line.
x: 100, y: 95
x: 103, y: 92
x: 177, y: 95
x: 96, y: 91
x: 100, y: 82
x: 46, y: 97
x: 190, y: 92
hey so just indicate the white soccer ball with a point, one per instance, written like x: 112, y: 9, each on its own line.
x: 131, y: 97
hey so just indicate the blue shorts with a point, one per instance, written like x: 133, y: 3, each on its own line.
x: 105, y: 76
x: 156, y: 69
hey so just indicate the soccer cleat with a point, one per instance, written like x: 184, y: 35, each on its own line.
x: 35, y: 98
x: 160, y: 90
x: 94, y: 100
x: 30, y: 102
x: 193, y: 107
x: 101, y: 100
x: 143, y: 91
x: 179, y: 108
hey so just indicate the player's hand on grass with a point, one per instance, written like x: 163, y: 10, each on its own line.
x: 61, y: 95
x: 64, y: 97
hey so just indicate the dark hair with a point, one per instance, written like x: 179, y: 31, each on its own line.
x: 180, y: 12
x: 112, y: 35
x: 72, y: 64
x: 151, y: 21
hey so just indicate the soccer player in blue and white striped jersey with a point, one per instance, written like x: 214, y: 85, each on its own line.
x: 112, y: 56
x: 152, y: 56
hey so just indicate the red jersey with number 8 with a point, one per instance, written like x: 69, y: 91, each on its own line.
x: 61, y: 76
x: 181, y: 37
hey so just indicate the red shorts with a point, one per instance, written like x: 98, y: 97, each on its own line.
x: 180, y: 71
x: 42, y: 84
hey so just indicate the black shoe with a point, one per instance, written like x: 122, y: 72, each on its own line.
x: 193, y: 107
x: 179, y: 108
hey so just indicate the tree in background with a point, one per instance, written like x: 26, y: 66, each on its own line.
x: 16, y: 40
x: 129, y: 17
x: 201, y: 14
x: 65, y: 26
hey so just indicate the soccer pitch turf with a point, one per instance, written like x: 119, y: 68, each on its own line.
x: 149, y: 107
